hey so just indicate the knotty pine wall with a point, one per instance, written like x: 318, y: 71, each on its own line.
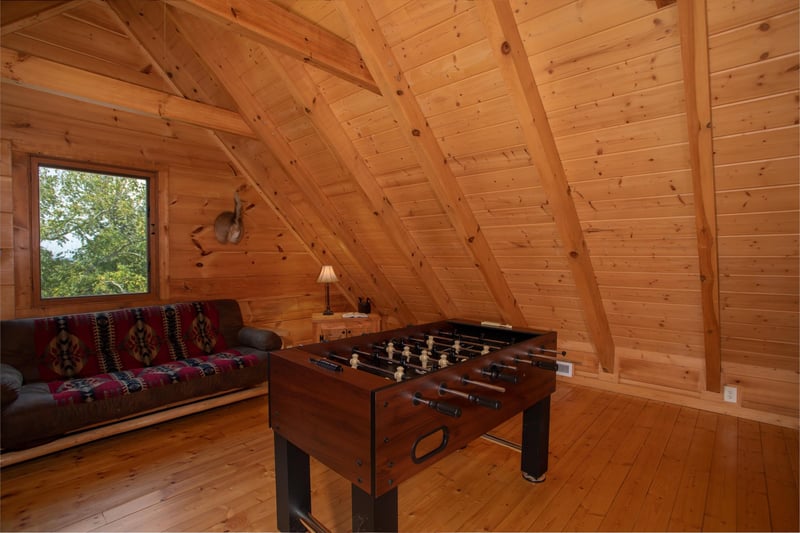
x: 755, y: 115
x: 612, y: 83
x: 270, y: 271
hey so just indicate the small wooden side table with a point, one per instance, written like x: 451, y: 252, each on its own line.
x: 326, y: 328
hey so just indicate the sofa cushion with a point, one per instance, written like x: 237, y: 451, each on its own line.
x: 104, y: 386
x: 35, y: 418
x: 10, y: 384
x: 87, y: 344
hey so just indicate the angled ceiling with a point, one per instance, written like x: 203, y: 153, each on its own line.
x: 546, y: 164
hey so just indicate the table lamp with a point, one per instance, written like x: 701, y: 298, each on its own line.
x: 327, y: 276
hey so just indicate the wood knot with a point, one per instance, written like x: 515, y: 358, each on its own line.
x: 415, y: 132
x: 505, y: 48
x: 573, y: 254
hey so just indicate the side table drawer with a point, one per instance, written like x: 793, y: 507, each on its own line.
x: 332, y: 327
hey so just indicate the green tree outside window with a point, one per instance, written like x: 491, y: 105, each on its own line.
x: 92, y: 233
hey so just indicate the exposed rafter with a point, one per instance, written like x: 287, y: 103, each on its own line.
x: 512, y: 60
x: 272, y: 25
x: 47, y: 76
x: 52, y: 10
x: 392, y: 82
x: 329, y: 128
x: 694, y: 51
x: 215, y: 54
x: 138, y: 17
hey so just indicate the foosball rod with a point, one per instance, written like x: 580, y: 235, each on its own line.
x: 472, y: 338
x: 547, y: 364
x: 450, y: 346
x: 394, y: 361
x: 549, y: 350
x: 547, y: 358
x: 493, y: 372
x: 399, y: 352
x: 474, y: 398
x: 465, y: 380
x: 365, y: 365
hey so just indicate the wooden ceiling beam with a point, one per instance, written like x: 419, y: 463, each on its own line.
x: 693, y: 27
x: 310, y: 98
x: 512, y: 60
x: 217, y: 53
x: 272, y: 25
x: 49, y: 10
x: 54, y: 78
x: 141, y: 22
x: 406, y: 110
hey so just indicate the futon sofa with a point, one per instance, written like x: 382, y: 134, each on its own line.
x: 64, y: 373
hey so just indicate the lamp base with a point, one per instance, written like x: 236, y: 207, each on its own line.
x: 327, y: 310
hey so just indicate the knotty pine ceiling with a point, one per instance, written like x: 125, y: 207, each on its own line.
x: 542, y: 163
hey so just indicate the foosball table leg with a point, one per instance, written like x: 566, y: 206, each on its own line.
x: 535, y: 439
x: 292, y: 485
x: 374, y: 514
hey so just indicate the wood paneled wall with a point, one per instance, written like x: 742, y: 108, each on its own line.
x: 755, y: 116
x: 423, y: 183
x: 270, y: 271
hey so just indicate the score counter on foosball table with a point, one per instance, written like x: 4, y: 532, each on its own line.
x: 379, y: 408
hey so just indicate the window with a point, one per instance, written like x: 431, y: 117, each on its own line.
x: 94, y: 231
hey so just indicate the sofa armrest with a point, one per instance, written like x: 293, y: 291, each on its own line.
x: 10, y: 384
x: 261, y: 339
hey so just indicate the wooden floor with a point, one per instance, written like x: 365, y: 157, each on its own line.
x: 617, y: 463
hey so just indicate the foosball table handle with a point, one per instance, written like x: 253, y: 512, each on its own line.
x: 485, y: 402
x: 439, y: 407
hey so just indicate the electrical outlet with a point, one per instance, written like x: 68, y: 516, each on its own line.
x: 729, y: 393
x: 564, y: 368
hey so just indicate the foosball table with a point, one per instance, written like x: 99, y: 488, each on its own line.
x: 379, y: 408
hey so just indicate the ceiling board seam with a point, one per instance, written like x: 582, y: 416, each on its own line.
x: 771, y: 59
x: 756, y: 132
x: 609, y: 29
x: 621, y: 125
x: 770, y: 96
x: 733, y: 29
x: 40, y: 16
x: 597, y: 102
x: 611, y: 66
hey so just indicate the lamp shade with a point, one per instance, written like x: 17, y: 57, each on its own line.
x: 327, y: 275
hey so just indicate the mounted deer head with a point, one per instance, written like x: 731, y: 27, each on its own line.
x: 228, y: 226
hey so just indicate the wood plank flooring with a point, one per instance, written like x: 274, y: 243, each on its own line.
x: 617, y: 463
